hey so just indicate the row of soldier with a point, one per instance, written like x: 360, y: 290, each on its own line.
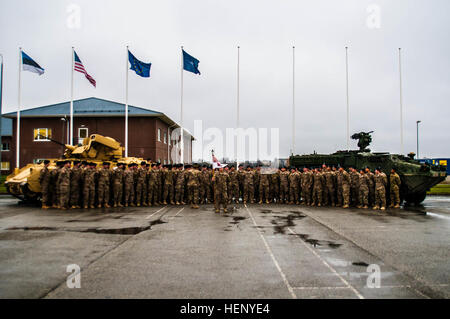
x: 84, y: 185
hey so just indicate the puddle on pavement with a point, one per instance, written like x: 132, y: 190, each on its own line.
x: 280, y: 222
x: 316, y: 242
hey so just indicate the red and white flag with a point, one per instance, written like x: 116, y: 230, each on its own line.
x: 79, y: 67
x: 216, y: 163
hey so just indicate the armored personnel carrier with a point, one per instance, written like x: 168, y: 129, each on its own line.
x: 24, y: 182
x: 416, y: 178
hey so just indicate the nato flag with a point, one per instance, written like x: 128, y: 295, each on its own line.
x: 141, y: 68
x: 190, y: 63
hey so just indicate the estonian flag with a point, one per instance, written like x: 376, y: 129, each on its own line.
x: 29, y: 65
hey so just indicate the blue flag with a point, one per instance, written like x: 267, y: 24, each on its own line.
x: 141, y: 68
x: 28, y: 64
x: 190, y: 63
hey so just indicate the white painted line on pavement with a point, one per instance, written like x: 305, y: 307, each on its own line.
x: 317, y: 288
x: 148, y: 217
x: 283, y: 276
x: 177, y: 213
x: 329, y: 267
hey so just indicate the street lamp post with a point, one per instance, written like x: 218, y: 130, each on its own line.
x: 417, y: 127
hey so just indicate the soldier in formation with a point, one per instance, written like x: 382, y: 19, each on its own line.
x: 82, y: 184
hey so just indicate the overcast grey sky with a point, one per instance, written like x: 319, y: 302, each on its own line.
x: 266, y: 31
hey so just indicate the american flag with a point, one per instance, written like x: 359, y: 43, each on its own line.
x: 216, y: 163
x: 78, y: 66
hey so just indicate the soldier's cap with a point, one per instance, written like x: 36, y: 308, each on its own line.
x: 92, y: 164
x: 84, y: 163
x: 76, y: 162
x: 143, y: 163
x: 147, y: 165
x: 105, y: 163
x: 187, y: 166
x: 240, y: 165
x: 154, y: 165
x: 379, y: 168
x: 130, y: 165
x: 46, y: 162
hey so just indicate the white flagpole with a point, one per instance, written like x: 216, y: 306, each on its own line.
x: 293, y: 100
x: 181, y: 110
x: 18, y: 110
x: 237, y: 107
x: 348, y: 107
x: 126, y: 105
x: 401, y: 99
x: 71, y: 99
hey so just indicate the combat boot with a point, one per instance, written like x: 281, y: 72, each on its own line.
x: 99, y: 206
x: 138, y: 205
x: 132, y: 205
x: 107, y: 206
x: 375, y: 207
x: 73, y: 207
x: 391, y: 206
x: 126, y: 204
x: 260, y: 202
x: 85, y: 207
x: 92, y: 206
x: 217, y: 211
x: 397, y: 206
x: 45, y: 207
x: 267, y: 201
x: 225, y: 210
x: 383, y: 208
x: 115, y: 205
x: 365, y: 207
x: 345, y: 206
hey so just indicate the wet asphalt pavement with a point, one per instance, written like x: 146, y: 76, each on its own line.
x: 255, y: 251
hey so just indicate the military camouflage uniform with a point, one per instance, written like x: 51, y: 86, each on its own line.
x: 89, y: 176
x: 44, y: 181
x: 54, y: 187
x: 249, y: 191
x: 395, y: 183
x: 152, y: 187
x: 179, y: 187
x: 264, y: 193
x: 319, y: 182
x: 141, y: 186
x: 221, y: 181
x: 129, y: 187
x: 193, y: 184
x: 76, y: 175
x: 343, y: 184
x: 234, y: 186
x: 117, y: 182
x: 294, y: 179
x: 329, y: 189
x: 380, y: 190
x: 354, y: 187
x: 274, y: 186
x: 284, y: 186
x: 104, y: 180
x: 364, y: 184
x: 64, y: 187
x: 307, y: 182
x: 168, y: 187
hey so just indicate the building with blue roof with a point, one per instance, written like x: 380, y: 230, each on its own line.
x: 150, y: 133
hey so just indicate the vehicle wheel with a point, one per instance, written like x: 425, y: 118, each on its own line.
x: 416, y: 198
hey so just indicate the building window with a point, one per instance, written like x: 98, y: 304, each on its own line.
x: 165, y: 162
x: 159, y: 160
x: 159, y: 135
x: 83, y: 132
x: 38, y: 160
x: 42, y: 134
x: 165, y: 138
x: 5, y: 146
x: 4, y: 166
x: 169, y: 135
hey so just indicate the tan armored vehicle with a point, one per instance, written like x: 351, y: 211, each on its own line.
x: 24, y: 182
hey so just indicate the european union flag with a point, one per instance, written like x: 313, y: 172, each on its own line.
x: 141, y: 68
x: 190, y: 63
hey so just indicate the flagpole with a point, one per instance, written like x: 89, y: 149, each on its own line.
x: 71, y: 100
x: 1, y: 103
x: 348, y: 107
x: 237, y: 107
x: 401, y: 99
x: 181, y: 110
x: 18, y: 110
x: 293, y: 100
x: 126, y: 104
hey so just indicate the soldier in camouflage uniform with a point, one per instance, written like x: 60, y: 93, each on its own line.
x: 371, y: 177
x: 249, y: 191
x: 193, y: 184
x: 103, y: 190
x: 264, y: 190
x: 284, y: 185
x: 318, y: 184
x: 141, y: 185
x: 168, y: 185
x: 234, y: 186
x: 294, y: 180
x: 354, y: 187
x: 380, y: 189
x: 75, y: 184
x: 179, y: 185
x: 395, y: 183
x: 256, y: 180
x: 207, y: 187
x: 152, y: 182
x: 89, y: 178
x: 307, y: 182
x: 328, y: 193
x: 64, y: 185
x: 221, y: 181
x: 54, y: 187
x: 117, y: 183
x: 363, y: 190
x: 129, y: 185
x: 274, y: 186
x: 343, y: 190
x: 44, y: 181
x: 159, y: 184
